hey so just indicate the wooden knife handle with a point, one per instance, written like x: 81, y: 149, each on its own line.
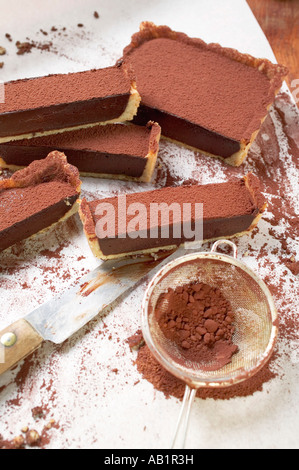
x: 16, y: 342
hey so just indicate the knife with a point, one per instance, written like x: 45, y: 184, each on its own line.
x: 61, y: 317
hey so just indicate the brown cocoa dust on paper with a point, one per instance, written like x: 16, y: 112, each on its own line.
x: 29, y: 438
x: 200, y: 322
x: 163, y: 381
x: 27, y: 46
x: 202, y: 327
x: 48, y: 42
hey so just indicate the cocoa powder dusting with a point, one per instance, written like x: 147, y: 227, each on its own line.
x: 29, y: 438
x: 50, y: 44
x: 162, y: 380
x: 199, y: 320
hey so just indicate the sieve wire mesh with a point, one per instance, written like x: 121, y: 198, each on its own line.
x: 251, y: 302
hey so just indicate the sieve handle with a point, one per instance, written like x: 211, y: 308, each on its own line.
x: 223, y: 242
x: 183, y: 421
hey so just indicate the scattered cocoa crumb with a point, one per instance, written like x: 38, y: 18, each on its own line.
x: 50, y: 424
x: 24, y: 47
x: 53, y: 254
x: 136, y: 341
x: 293, y: 266
x: 18, y: 442
x: 47, y: 46
x: 32, y: 438
x: 2, y: 50
x: 37, y: 412
x: 6, y: 444
x: 1, y: 65
x: 80, y: 25
x: 8, y: 36
x: 96, y: 15
x: 27, y: 46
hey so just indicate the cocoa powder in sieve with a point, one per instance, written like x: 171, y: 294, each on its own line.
x: 199, y: 320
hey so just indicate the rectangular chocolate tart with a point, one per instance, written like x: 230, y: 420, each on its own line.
x: 56, y: 103
x: 207, y: 97
x: 229, y: 209
x: 113, y: 151
x: 37, y: 197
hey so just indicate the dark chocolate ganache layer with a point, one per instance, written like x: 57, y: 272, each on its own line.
x: 203, y: 95
x: 62, y: 101
x: 26, y: 211
x: 116, y: 149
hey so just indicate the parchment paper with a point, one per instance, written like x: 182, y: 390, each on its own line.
x: 90, y: 385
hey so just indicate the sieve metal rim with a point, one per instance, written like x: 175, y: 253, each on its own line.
x: 191, y: 378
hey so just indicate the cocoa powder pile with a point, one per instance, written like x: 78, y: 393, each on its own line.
x: 162, y: 380
x: 199, y: 320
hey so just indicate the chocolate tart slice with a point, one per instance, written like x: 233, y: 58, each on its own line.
x: 57, y: 103
x: 156, y: 220
x: 207, y: 97
x: 113, y: 151
x: 37, y: 197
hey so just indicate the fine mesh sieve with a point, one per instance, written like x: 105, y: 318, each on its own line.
x: 255, y: 322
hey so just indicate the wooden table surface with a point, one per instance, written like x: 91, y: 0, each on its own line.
x: 279, y: 20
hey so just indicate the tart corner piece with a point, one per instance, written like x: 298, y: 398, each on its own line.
x: 37, y: 197
x: 219, y: 97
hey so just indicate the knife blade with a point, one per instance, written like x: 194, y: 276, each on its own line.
x: 61, y: 317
